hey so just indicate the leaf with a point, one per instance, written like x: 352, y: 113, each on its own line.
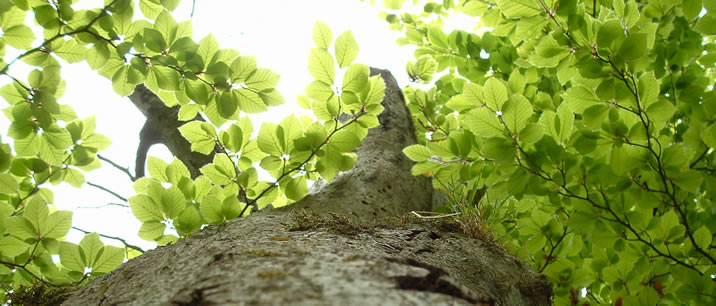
x: 19, y: 36
x: 634, y: 46
x: 250, y: 102
x: 474, y: 8
x: 424, y: 68
x: 8, y: 184
x: 71, y: 51
x: 707, y: 24
x: 346, y: 49
x: 269, y: 139
x: 516, y: 82
x: 322, y: 35
x: 355, y: 78
x: 494, y: 93
x: 296, y: 188
x: 211, y: 209
x: 516, y: 113
x: 484, y: 122
x: 70, y: 257
x: 152, y: 230
x: 320, y: 65
x: 57, y: 224
x: 689, y: 180
x: 519, y: 8
x: 648, y: 89
x: 377, y: 91
x: 579, y: 98
x: 344, y: 141
x: 109, y: 259
x: 437, y: 37
x: 145, y: 209
x: 261, y: 79
x: 417, y: 153
x: 242, y: 67
x: 221, y: 171
x: 11, y: 246
x: 201, y: 135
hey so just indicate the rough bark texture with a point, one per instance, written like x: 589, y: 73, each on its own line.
x: 328, y: 249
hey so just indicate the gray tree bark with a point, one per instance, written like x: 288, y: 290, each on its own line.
x: 344, y: 244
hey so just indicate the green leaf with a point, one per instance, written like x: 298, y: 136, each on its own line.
x: 648, y: 89
x: 57, y: 224
x: 344, y: 141
x: 703, y: 237
x: 261, y: 79
x: 71, y: 51
x: 494, y: 93
x: 423, y: 69
x: 211, y: 209
x: 270, y: 139
x: 516, y: 113
x: 689, y: 180
x: 242, y: 67
x: 201, y: 135
x: 157, y: 168
x: 320, y: 65
x: 11, y: 246
x: 152, y: 230
x: 346, y: 49
x: 519, y: 8
x: 250, y: 102
x: 296, y: 188
x: 109, y: 258
x: 417, y: 153
x: 475, y: 8
x: 71, y: 257
x: 707, y: 24
x: 19, y: 36
x: 322, y: 35
x: 8, y: 184
x: 221, y: 171
x: 437, y: 37
x: 691, y: 8
x: 484, y: 122
x: 708, y: 135
x: 145, y: 209
x: 579, y: 98
x: 393, y: 4
x: 634, y: 46
x: 173, y: 202
x: 377, y: 91
x: 188, y: 222
x: 355, y: 78
x: 516, y: 83
x: 227, y: 104
x: 170, y: 5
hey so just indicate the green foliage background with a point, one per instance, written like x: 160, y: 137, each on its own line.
x: 590, y: 122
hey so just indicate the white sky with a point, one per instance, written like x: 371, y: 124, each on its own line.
x: 277, y: 32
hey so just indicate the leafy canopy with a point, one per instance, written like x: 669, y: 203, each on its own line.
x: 51, y: 145
x: 592, y: 125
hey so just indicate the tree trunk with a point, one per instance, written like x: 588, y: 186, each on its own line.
x: 344, y: 244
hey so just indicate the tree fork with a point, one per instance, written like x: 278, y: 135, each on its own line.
x: 323, y: 250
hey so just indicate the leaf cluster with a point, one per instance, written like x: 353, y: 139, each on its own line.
x: 592, y: 124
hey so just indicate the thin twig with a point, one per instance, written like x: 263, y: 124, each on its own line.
x: 120, y: 168
x: 436, y: 215
x: 102, y: 206
x: 107, y: 190
x: 126, y: 244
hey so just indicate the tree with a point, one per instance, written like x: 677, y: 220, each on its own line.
x: 578, y: 134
